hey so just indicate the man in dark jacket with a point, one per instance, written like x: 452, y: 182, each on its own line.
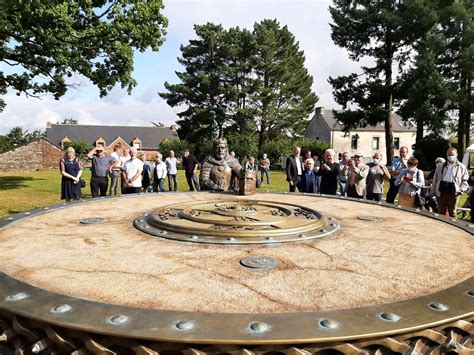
x: 294, y: 169
x: 190, y: 165
x: 329, y: 171
x: 309, y: 182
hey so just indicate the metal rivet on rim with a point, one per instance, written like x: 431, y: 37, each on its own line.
x: 435, y: 306
x: 10, y: 218
x: 184, y: 325
x: 470, y: 293
x: 27, y: 213
x: 328, y: 324
x: 61, y: 309
x: 45, y: 208
x: 301, y: 236
x: 17, y: 297
x: 269, y: 238
x: 118, y: 319
x: 259, y: 327
x: 163, y: 233
x: 389, y: 317
x: 194, y: 237
x: 322, y: 230
x: 231, y: 239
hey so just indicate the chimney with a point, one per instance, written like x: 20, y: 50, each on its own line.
x: 48, y: 124
x: 173, y: 127
x: 320, y: 110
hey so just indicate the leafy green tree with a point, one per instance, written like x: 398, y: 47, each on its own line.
x: 4, y: 144
x: 456, y: 61
x: 80, y: 147
x: 18, y: 137
x: 47, y: 41
x: 385, y: 31
x: 201, y: 89
x: 283, y: 98
x: 253, y: 81
x: 176, y: 145
x: 69, y: 120
x: 425, y: 93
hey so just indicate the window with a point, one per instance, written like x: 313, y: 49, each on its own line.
x: 354, y: 140
x: 375, y: 142
x: 396, y: 143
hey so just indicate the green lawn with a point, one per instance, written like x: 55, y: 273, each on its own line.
x: 21, y: 192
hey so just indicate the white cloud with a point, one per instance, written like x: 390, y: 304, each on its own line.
x: 308, y: 20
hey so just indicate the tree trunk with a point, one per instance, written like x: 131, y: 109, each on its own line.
x: 420, y: 129
x: 389, y: 100
x: 462, y: 117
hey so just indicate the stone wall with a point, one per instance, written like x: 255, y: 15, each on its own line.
x: 51, y: 155
x: 36, y: 155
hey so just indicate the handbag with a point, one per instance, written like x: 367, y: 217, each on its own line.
x: 82, y: 183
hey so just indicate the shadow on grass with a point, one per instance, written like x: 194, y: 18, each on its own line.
x: 14, y: 182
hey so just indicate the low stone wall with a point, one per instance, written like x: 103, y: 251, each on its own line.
x: 36, y: 155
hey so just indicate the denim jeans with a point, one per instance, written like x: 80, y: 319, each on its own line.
x: 174, y: 178
x: 265, y: 171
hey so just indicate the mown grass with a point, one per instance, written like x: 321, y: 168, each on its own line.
x: 20, y: 192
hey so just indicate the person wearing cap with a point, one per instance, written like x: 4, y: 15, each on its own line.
x: 375, y: 178
x: 357, y: 177
x: 308, y: 179
x: 329, y: 171
x: 102, y: 165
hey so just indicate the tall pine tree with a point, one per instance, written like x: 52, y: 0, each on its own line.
x: 456, y: 61
x: 384, y: 31
x: 283, y: 98
x: 256, y: 83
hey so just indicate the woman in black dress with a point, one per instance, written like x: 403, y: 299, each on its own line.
x: 71, y: 170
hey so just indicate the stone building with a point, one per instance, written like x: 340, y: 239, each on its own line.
x: 145, y: 139
x: 36, y: 155
x: 370, y: 139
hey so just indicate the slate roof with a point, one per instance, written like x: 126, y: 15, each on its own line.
x: 150, y: 136
x: 397, y: 123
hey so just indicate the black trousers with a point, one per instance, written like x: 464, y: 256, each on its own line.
x: 99, y: 185
x: 296, y: 184
x: 374, y: 197
x: 133, y: 190
x: 392, y: 191
x: 352, y: 192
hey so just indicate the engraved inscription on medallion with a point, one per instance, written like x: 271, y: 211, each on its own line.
x: 236, y: 222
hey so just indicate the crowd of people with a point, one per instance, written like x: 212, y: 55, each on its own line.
x: 330, y: 175
x: 352, y: 177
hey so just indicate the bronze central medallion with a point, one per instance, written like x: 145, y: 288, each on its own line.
x: 236, y: 222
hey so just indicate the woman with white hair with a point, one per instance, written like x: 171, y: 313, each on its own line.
x: 71, y: 171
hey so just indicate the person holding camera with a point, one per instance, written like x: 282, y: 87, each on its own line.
x: 449, y: 182
x: 357, y: 177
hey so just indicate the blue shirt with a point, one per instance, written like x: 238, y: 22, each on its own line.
x: 397, y: 164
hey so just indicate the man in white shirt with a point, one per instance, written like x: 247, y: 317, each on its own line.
x: 123, y: 158
x: 449, y: 182
x: 132, y: 173
x: 172, y: 171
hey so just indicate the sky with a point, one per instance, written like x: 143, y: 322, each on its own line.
x: 308, y: 20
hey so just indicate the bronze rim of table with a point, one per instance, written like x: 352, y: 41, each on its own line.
x: 404, y: 317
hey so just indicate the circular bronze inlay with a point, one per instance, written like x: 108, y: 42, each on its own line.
x: 236, y: 222
x: 259, y: 262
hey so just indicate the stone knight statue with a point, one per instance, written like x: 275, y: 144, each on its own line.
x: 216, y: 171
